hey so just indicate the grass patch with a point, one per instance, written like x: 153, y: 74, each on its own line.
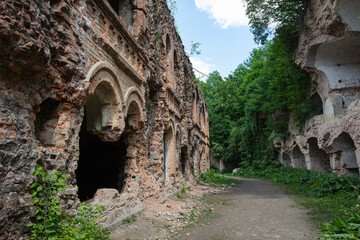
x: 130, y: 220
x: 332, y: 199
x: 180, y: 195
x: 216, y: 179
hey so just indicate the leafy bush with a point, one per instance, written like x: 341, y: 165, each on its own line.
x: 180, y: 195
x: 53, y: 223
x: 346, y: 227
x: 306, y: 182
x: 212, y: 178
x: 226, y: 170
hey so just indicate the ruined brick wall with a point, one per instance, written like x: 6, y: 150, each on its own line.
x: 329, y: 49
x: 101, y: 92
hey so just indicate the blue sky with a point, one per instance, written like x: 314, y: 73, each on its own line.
x: 221, y: 28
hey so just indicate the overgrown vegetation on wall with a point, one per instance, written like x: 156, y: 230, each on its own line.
x: 254, y: 105
x: 51, y: 222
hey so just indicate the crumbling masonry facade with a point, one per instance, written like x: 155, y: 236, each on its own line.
x: 329, y: 50
x: 103, y: 91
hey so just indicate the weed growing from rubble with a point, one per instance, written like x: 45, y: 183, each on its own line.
x: 179, y: 195
x: 51, y: 222
x: 130, y: 220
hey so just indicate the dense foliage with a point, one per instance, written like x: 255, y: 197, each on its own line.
x: 346, y: 227
x: 283, y: 18
x: 306, y: 182
x: 53, y: 223
x: 255, y: 104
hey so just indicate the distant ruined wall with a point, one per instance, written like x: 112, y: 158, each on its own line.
x: 102, y: 91
x: 329, y: 49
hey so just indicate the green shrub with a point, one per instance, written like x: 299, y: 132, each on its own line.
x: 212, y: 178
x: 130, y: 220
x: 226, y: 170
x: 179, y: 195
x: 345, y: 227
x: 306, y: 182
x: 53, y: 223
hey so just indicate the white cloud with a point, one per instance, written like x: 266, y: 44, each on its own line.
x: 203, y: 67
x: 225, y: 12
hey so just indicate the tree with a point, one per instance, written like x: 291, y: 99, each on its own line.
x: 282, y: 17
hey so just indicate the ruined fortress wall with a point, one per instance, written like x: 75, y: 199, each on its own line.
x: 102, y: 91
x: 329, y: 50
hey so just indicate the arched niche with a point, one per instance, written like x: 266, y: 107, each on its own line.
x: 133, y: 108
x: 104, y: 106
x: 195, y: 107
x: 125, y: 9
x: 339, y: 61
x: 46, y: 121
x: 343, y: 154
x: 298, y: 158
x: 202, y: 162
x: 169, y: 143
x: 207, y: 124
x: 168, y: 44
x: 169, y: 62
x: 183, y: 159
x: 178, y: 146
x: 319, y: 159
x: 286, y: 160
x: 318, y: 103
x: 102, y: 148
x: 202, y: 117
x: 195, y: 158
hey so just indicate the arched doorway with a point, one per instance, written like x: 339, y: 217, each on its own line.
x: 101, y: 164
x: 102, y: 159
x: 286, y: 160
x: 344, y: 149
x: 298, y: 158
x: 169, y: 152
x: 319, y: 159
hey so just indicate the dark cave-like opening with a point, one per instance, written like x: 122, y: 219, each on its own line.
x: 318, y: 104
x: 319, y: 159
x: 101, y: 164
x: 183, y: 160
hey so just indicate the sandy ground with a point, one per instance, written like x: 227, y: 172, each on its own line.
x: 254, y: 209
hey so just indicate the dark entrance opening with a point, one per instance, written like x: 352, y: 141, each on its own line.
x: 183, y: 160
x: 101, y: 164
x: 286, y: 160
x: 344, y: 148
x: 115, y: 5
x: 318, y: 104
x: 319, y: 159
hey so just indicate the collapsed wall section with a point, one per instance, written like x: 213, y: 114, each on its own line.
x: 102, y: 91
x: 329, y: 51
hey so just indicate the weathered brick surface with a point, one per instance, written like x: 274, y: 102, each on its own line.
x: 77, y: 53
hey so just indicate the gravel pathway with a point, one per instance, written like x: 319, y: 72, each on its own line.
x: 253, y: 210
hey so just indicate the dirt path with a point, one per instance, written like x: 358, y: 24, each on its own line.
x: 253, y: 210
